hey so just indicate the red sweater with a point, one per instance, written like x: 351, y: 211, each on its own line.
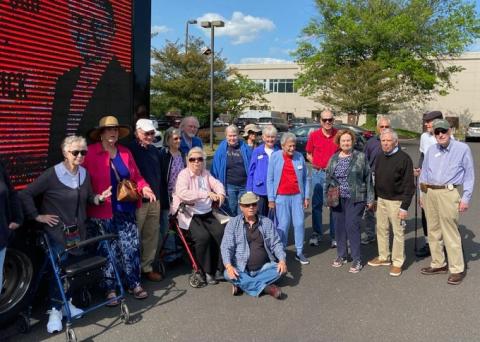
x: 97, y: 163
x: 288, y: 182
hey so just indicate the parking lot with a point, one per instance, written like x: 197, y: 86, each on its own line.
x: 323, y: 303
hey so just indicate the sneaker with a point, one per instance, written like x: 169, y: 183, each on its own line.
x: 356, y: 266
x: 368, y: 240
x: 74, y: 311
x: 303, y: 260
x: 333, y: 244
x: 314, y: 239
x: 54, y: 321
x: 339, y: 262
x: 395, y: 271
x: 379, y: 262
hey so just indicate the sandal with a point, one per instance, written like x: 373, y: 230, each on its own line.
x: 112, y: 294
x: 138, y: 293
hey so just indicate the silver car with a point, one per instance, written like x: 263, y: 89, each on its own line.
x: 473, y: 131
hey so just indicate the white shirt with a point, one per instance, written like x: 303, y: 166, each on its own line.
x: 204, y: 205
x: 268, y: 151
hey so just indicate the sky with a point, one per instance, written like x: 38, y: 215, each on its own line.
x: 256, y: 31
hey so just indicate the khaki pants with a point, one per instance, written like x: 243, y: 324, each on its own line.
x: 387, y: 213
x: 441, y: 210
x: 148, y: 222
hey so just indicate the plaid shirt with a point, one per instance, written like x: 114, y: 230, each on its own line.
x: 235, y: 248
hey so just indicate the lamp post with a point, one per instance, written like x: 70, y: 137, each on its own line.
x: 189, y: 22
x: 211, y: 25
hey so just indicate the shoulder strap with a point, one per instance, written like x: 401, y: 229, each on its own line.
x: 78, y: 198
x: 115, y: 171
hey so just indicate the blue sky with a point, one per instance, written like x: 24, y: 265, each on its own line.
x: 255, y: 30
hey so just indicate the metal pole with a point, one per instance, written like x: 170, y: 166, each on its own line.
x: 212, y: 34
x: 186, y: 37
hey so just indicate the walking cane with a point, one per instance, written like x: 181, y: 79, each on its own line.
x: 416, y: 213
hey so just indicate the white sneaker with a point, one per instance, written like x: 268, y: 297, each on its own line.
x: 54, y: 321
x: 73, y: 310
x: 314, y: 240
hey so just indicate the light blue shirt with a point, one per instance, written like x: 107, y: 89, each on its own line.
x: 450, y: 165
x: 69, y: 179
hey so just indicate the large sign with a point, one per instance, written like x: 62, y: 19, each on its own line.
x: 63, y: 65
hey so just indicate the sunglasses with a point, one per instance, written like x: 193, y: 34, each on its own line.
x: 327, y: 120
x: 75, y: 153
x: 440, y: 130
x: 384, y: 126
x: 251, y: 205
x: 193, y: 160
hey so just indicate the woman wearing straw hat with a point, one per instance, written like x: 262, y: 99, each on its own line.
x: 107, y: 162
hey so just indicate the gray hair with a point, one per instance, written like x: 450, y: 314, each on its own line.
x: 391, y: 132
x: 73, y: 139
x: 171, y: 131
x: 232, y: 128
x: 325, y: 111
x: 187, y: 119
x: 197, y: 149
x: 385, y: 119
x: 286, y: 137
x: 269, y: 131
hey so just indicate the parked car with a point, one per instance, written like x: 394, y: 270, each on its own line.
x: 219, y: 123
x: 280, y: 124
x: 242, y: 122
x: 473, y: 131
x: 367, y: 134
x: 298, y: 122
x: 304, y: 131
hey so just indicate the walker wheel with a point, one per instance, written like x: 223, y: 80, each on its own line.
x: 196, y: 281
x: 71, y: 337
x: 125, y: 313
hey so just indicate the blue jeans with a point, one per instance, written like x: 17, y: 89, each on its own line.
x: 289, y: 208
x: 234, y: 192
x: 3, y: 251
x: 253, y: 282
x: 318, y: 180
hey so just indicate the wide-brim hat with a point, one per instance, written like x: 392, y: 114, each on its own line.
x: 106, y: 122
x: 251, y: 127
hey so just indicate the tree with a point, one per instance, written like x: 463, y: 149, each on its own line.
x: 182, y: 81
x: 368, y: 56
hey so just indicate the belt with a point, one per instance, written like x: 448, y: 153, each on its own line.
x: 424, y: 187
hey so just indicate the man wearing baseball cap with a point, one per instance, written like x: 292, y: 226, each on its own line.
x: 447, y: 165
x: 250, y: 248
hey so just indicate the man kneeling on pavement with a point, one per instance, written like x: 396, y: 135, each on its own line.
x: 249, y: 248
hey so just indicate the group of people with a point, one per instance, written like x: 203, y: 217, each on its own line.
x: 264, y: 189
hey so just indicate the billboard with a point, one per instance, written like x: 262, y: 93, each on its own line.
x: 63, y: 65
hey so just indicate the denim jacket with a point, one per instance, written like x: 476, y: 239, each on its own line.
x: 257, y: 172
x: 359, y: 178
x: 275, y: 168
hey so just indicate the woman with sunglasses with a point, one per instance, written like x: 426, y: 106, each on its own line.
x: 199, y: 190
x: 65, y: 189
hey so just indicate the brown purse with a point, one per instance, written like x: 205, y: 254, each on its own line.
x: 127, y: 190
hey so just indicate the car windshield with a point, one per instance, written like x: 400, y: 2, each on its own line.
x: 474, y: 124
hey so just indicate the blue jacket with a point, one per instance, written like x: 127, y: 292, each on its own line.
x: 184, y: 148
x: 275, y: 169
x: 219, y: 163
x: 235, y: 249
x: 257, y: 172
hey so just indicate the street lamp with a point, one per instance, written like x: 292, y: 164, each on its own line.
x: 189, y: 22
x: 211, y: 25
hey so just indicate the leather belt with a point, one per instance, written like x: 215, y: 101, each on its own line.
x: 424, y: 187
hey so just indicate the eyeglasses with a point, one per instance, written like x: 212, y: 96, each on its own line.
x: 193, y: 160
x: 440, y: 130
x: 75, y: 153
x: 150, y: 133
x: 384, y: 126
x: 327, y: 120
x: 250, y: 205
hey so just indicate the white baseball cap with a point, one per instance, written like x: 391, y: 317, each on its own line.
x: 145, y: 125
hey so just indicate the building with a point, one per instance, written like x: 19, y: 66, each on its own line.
x: 461, y: 102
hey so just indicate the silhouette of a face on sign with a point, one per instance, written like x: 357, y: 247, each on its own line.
x: 92, y: 28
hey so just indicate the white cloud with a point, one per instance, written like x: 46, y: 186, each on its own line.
x: 242, y: 28
x: 261, y: 60
x: 159, y: 29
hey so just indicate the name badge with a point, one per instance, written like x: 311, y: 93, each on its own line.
x: 300, y: 167
x: 260, y: 156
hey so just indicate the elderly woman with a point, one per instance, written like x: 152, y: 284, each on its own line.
x: 348, y: 170
x: 230, y: 166
x: 197, y: 188
x: 65, y: 189
x: 257, y: 173
x: 250, y: 135
x: 108, y: 163
x: 288, y: 187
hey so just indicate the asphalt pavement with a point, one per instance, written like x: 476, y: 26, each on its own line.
x: 323, y: 303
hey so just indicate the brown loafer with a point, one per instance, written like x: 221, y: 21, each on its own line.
x: 455, y: 278
x: 432, y: 271
x: 153, y: 276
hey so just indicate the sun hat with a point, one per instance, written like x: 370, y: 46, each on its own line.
x: 106, y: 122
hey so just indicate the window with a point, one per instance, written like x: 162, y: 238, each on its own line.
x: 283, y: 85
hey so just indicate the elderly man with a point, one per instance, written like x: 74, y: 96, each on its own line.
x: 148, y: 158
x: 447, y: 165
x: 189, y: 128
x: 373, y: 148
x: 394, y: 187
x: 249, y: 248
x: 320, y: 148
x: 288, y: 189
x: 427, y: 140
x: 230, y: 166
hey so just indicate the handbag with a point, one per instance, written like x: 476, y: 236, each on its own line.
x: 220, y: 215
x: 333, y: 196
x: 127, y: 190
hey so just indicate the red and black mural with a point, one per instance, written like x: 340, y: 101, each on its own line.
x: 63, y: 64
